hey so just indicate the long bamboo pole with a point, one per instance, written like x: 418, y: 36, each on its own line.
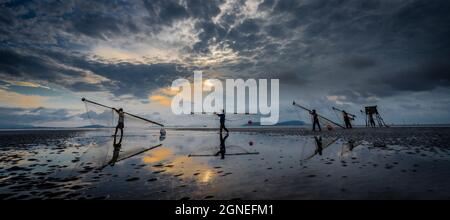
x: 334, y: 108
x: 144, y: 119
x: 320, y: 116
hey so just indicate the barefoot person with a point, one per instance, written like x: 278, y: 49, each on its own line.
x: 222, y: 121
x: 347, y: 119
x: 315, y: 119
x: 120, y: 124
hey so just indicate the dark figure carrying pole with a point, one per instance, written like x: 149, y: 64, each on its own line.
x: 222, y: 121
x: 315, y: 119
x: 120, y: 125
x: 347, y: 119
x: 318, y: 116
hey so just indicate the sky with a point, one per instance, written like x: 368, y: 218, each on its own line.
x: 342, y: 53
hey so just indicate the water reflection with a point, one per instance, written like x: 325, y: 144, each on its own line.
x: 115, y: 154
x: 348, y: 147
x: 319, y: 146
x: 316, y: 148
x: 165, y: 161
x: 222, y: 149
x: 119, y: 155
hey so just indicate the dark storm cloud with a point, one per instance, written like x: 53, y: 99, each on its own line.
x: 358, y: 63
x: 99, y: 26
x: 366, y: 35
x: 23, y: 66
x: 165, y: 11
x: 23, y: 116
x: 24, y: 54
x: 26, y: 66
x: 139, y: 79
x: 426, y: 76
x: 357, y: 49
x: 123, y: 78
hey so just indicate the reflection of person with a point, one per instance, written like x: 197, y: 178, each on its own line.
x: 315, y: 118
x: 222, y: 121
x: 351, y: 145
x: 162, y: 134
x: 120, y: 124
x: 319, y: 146
x: 222, y: 149
x: 115, y: 154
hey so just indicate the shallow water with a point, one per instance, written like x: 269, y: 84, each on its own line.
x: 187, y: 164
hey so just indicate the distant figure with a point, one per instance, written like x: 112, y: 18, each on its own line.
x: 222, y: 121
x: 120, y: 124
x: 371, y: 121
x: 347, y: 119
x: 115, y: 154
x: 222, y: 149
x: 315, y: 119
x: 319, y: 146
x: 162, y: 134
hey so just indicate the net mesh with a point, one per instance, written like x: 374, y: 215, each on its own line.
x: 107, y: 148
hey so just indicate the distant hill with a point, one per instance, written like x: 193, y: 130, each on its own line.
x: 284, y: 123
x: 93, y: 126
x: 16, y: 126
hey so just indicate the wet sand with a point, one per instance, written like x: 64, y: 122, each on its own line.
x: 269, y: 163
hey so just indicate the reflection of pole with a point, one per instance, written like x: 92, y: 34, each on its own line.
x: 138, y: 117
x: 320, y: 116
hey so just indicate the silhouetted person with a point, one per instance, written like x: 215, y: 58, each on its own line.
x: 222, y: 121
x: 371, y: 121
x: 115, y: 154
x: 315, y: 119
x: 120, y: 124
x: 319, y: 146
x: 347, y: 119
x: 222, y: 149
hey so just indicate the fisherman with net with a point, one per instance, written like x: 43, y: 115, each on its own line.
x: 315, y: 119
x: 222, y: 121
x: 347, y: 119
x: 120, y: 124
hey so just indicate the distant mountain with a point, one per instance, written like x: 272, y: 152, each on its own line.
x: 93, y: 126
x: 15, y: 126
x: 291, y: 123
x: 18, y: 126
x: 284, y: 123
